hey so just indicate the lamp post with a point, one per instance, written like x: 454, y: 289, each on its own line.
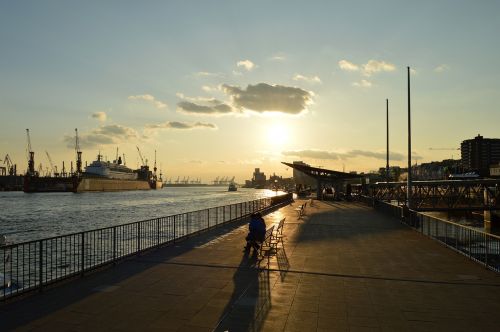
x: 409, y: 177
x: 387, y: 140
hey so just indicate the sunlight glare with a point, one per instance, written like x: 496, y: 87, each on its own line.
x: 277, y: 134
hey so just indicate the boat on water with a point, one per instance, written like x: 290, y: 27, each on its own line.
x: 232, y: 187
x: 100, y: 175
x: 114, y: 176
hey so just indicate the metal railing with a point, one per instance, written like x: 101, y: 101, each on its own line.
x: 35, y: 264
x: 479, y: 246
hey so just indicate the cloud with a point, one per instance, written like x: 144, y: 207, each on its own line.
x: 181, y: 125
x: 369, y: 68
x: 362, y: 84
x: 375, y: 66
x: 103, y: 135
x: 278, y: 58
x: 329, y: 155
x: 263, y: 97
x: 101, y: 116
x: 150, y: 99
x: 210, y: 106
x: 311, y: 79
x: 208, y: 88
x: 247, y: 64
x: 348, y: 66
x: 208, y: 74
x: 442, y: 68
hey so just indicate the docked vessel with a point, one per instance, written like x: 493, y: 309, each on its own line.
x: 100, y: 175
x: 114, y: 176
x: 232, y: 187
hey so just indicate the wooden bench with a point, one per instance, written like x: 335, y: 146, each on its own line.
x: 267, y: 245
x: 301, y: 210
x: 278, y: 233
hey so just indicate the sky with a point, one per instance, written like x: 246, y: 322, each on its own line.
x: 219, y: 88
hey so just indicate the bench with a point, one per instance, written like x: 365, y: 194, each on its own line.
x: 278, y: 234
x: 267, y: 245
x: 301, y: 210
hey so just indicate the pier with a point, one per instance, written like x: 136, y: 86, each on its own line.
x: 342, y: 266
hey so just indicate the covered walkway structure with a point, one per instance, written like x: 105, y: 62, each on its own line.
x: 324, y: 176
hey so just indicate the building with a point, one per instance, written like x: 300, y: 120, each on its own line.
x: 302, y: 179
x: 479, y: 154
x: 258, y: 179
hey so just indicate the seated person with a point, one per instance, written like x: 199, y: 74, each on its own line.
x: 256, y: 231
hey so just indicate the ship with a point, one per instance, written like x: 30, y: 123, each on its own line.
x: 232, y: 187
x: 100, y: 175
x: 114, y: 176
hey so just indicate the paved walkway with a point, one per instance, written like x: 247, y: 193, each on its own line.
x: 343, y: 267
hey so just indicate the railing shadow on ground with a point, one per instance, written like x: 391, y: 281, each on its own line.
x: 251, y: 299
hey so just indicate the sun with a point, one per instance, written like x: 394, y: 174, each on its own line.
x: 277, y: 134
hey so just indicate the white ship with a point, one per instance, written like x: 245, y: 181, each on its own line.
x: 110, y: 170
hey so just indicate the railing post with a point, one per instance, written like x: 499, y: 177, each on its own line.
x: 40, y: 264
x: 158, y: 231
x: 486, y: 245
x: 138, y: 236
x: 175, y: 237
x: 82, y: 254
x: 208, y: 218
x: 114, y: 243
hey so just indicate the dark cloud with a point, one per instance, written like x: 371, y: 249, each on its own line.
x: 213, y: 107
x: 181, y: 125
x: 327, y: 155
x: 104, y: 135
x: 264, y: 97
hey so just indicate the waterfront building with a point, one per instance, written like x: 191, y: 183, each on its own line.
x: 302, y: 179
x: 479, y: 153
x: 259, y: 179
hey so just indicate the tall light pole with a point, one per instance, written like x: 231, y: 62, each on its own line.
x: 387, y: 140
x: 408, y: 186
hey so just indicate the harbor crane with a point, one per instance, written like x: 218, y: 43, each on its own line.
x: 11, y: 167
x: 78, y: 154
x: 140, y: 156
x: 31, y: 156
x: 53, y: 169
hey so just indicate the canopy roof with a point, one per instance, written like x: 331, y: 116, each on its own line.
x: 323, y: 174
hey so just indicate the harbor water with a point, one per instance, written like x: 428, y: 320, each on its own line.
x: 26, y: 217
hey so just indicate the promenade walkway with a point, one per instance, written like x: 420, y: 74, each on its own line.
x: 343, y: 267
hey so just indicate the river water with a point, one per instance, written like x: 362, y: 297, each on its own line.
x: 25, y: 217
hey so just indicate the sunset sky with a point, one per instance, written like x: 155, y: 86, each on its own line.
x: 221, y: 87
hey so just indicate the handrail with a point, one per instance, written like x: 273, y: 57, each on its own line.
x: 34, y: 264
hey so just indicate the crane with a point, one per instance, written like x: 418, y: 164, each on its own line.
x: 140, y: 156
x: 11, y: 167
x: 78, y: 154
x: 52, y: 168
x: 31, y: 156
